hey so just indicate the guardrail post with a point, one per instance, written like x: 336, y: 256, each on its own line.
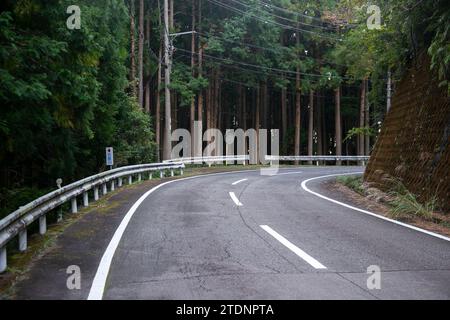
x: 140, y: 177
x: 42, y: 225
x: 105, y: 189
x: 161, y: 174
x: 181, y: 171
x: 120, y: 182
x: 150, y: 176
x: 74, y: 205
x: 172, y: 173
x: 23, y: 240
x: 85, y: 199
x: 3, y: 263
x: 96, y: 193
x: 130, y: 179
x: 113, y: 185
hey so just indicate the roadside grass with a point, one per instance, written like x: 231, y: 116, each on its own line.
x: 353, y: 182
x: 402, y: 203
x: 406, y: 204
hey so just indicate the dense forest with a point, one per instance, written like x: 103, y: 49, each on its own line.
x: 312, y: 69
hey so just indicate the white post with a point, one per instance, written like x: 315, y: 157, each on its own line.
x: 105, y: 189
x: 120, y: 182
x: 96, y: 193
x: 3, y: 263
x: 23, y: 240
x: 86, y: 199
x: 42, y: 225
x: 130, y: 179
x: 150, y: 176
x: 172, y: 173
x: 181, y: 171
x: 113, y: 185
x: 139, y: 177
x: 74, y: 205
x: 161, y: 174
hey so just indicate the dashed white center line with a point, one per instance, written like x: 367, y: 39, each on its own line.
x: 239, y: 181
x: 235, y: 199
x: 302, y: 254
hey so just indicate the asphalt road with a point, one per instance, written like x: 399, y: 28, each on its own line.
x: 216, y: 237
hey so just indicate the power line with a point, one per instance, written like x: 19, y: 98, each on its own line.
x: 275, y: 72
x: 283, y: 26
x: 284, y: 18
x: 259, y: 66
x: 209, y: 35
x: 283, y: 76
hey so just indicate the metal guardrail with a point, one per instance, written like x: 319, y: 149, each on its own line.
x: 317, y: 158
x: 213, y: 159
x: 17, y: 222
x: 271, y: 159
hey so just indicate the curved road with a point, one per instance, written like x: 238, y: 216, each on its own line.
x: 246, y: 236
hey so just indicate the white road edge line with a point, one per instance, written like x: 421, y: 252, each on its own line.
x: 239, y: 181
x: 235, y: 199
x: 304, y: 183
x: 98, y: 284
x: 299, y: 252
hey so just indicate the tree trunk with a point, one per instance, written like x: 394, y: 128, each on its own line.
x: 337, y: 120
x: 264, y: 105
x: 362, y: 107
x: 389, y: 90
x: 319, y: 125
x: 367, y: 119
x: 216, y: 113
x: 141, y: 53
x: 193, y: 51
x: 199, y: 145
x: 171, y: 19
x: 297, y: 114
x: 132, y: 49
x: 148, y: 82
x: 244, y: 108
x: 167, y: 119
x: 311, y: 125
x: 283, y: 113
x: 158, y: 93
x: 257, y: 119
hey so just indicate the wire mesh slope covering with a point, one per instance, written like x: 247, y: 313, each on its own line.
x: 414, y: 144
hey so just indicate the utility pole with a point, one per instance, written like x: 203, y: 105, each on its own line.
x: 167, y: 60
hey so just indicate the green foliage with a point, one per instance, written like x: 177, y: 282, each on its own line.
x: 439, y: 49
x: 355, y: 132
x: 11, y: 199
x: 353, y: 182
x: 405, y: 204
x: 63, y: 93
